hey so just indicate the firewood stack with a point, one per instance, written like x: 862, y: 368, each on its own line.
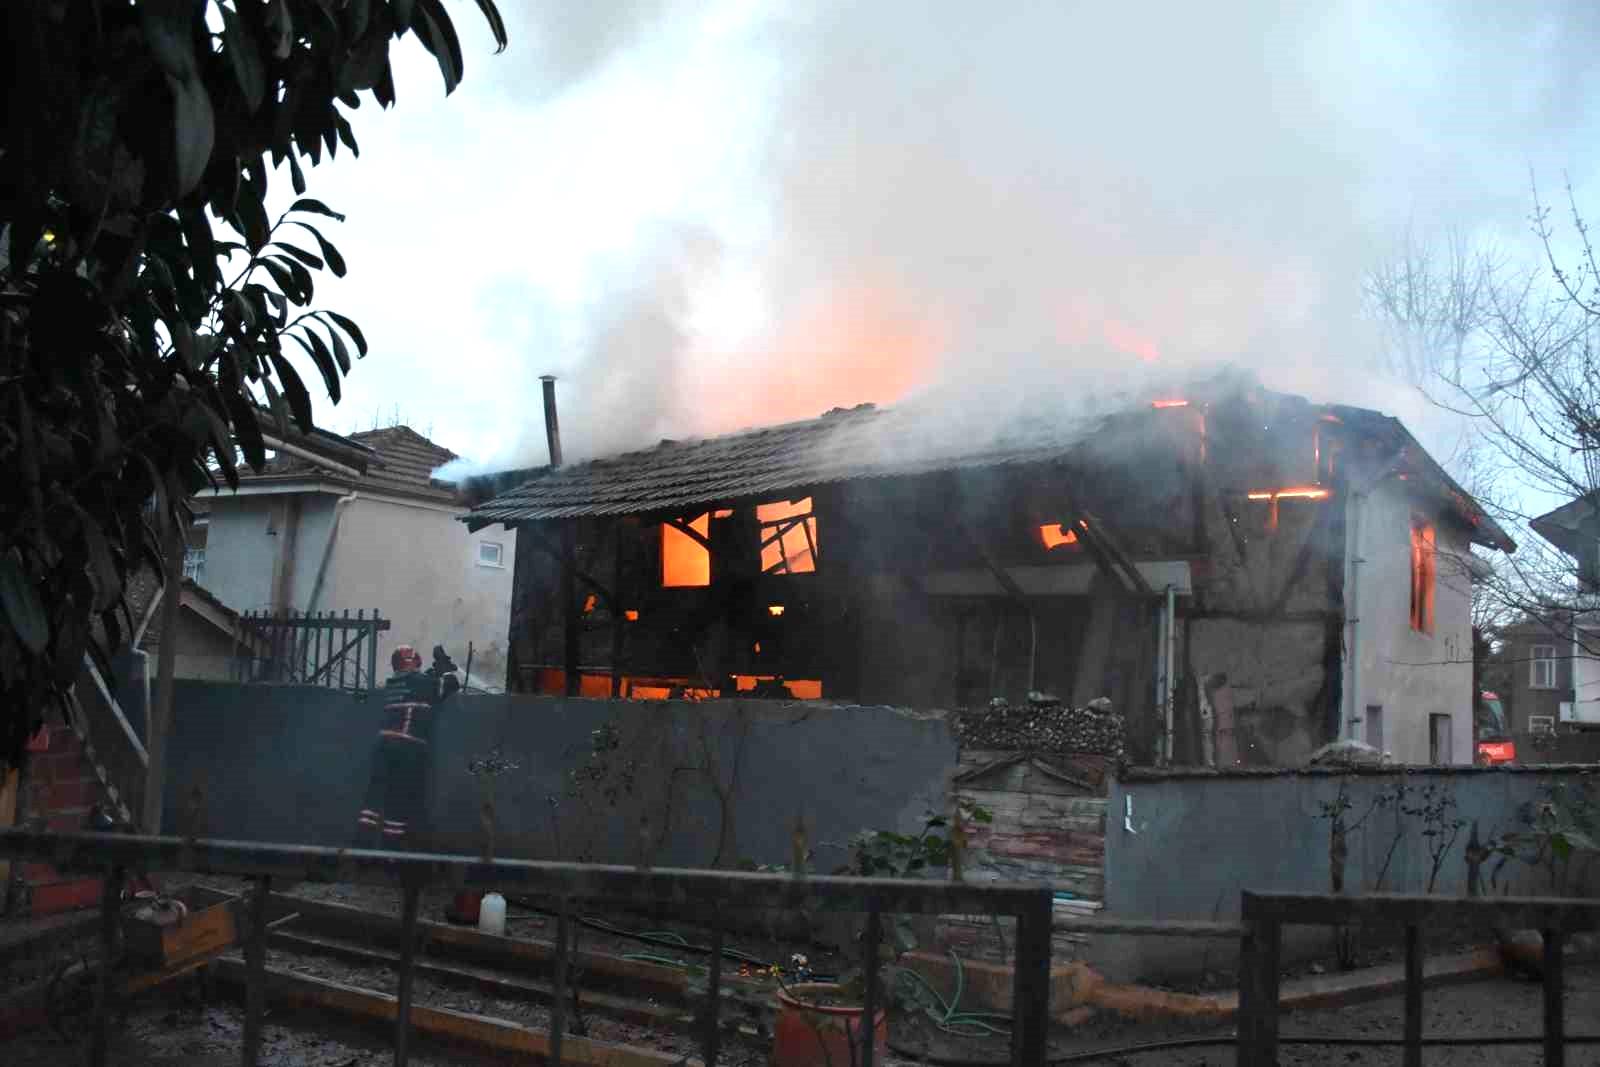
x: 1044, y: 725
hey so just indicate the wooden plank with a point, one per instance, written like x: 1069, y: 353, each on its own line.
x: 255, y: 995
x: 497, y: 1034
x: 8, y: 814
x: 1149, y: 927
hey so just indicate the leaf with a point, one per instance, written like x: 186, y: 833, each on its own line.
x: 497, y: 25
x: 404, y: 11
x: 302, y: 278
x: 246, y: 429
x: 283, y: 277
x: 438, y: 36
x: 316, y: 207
x: 299, y: 253
x: 248, y: 69
x: 318, y: 351
x: 281, y: 25
x: 194, y: 130
x: 329, y: 253
x: 252, y: 218
x: 340, y: 351
x: 296, y: 178
x: 101, y: 567
x: 294, y: 391
x: 20, y: 600
x: 202, y: 245
x: 350, y: 328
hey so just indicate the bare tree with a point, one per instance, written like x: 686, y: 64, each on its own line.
x: 1509, y: 348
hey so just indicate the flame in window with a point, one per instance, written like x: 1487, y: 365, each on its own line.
x: 788, y: 537
x: 632, y: 615
x: 588, y: 603
x: 685, y: 561
x: 1169, y: 403
x: 1309, y: 492
x: 1054, y: 536
x: 774, y: 610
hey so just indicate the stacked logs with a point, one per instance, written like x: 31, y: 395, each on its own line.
x: 1044, y: 724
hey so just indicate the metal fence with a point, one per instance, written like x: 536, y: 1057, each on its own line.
x: 705, y: 895
x: 323, y: 648
x: 1265, y: 914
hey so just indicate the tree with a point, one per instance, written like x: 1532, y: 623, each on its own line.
x: 1510, y: 349
x: 147, y: 301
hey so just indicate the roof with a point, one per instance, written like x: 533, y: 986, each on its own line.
x: 402, y: 462
x: 1573, y: 526
x: 204, y: 604
x: 843, y: 445
x: 848, y: 444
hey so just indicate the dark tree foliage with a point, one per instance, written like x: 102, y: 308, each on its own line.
x: 138, y: 338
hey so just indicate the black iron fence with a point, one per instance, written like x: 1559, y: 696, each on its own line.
x: 338, y: 651
x: 1265, y: 915
x: 705, y: 895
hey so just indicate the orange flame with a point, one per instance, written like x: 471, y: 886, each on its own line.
x: 1298, y: 493
x: 1169, y: 403
x: 774, y: 609
x: 631, y: 615
x: 1054, y: 537
x: 685, y: 561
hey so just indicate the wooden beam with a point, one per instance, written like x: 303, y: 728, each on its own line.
x: 688, y: 531
x: 567, y: 562
x: 447, y: 1025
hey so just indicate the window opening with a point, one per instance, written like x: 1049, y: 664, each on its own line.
x: 1423, y: 568
x: 194, y: 564
x: 1439, y: 739
x: 788, y: 537
x: 1543, y: 665
x: 491, y: 554
x: 685, y: 562
x: 1375, y: 726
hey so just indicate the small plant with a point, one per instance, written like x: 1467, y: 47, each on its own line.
x: 1441, y: 826
x: 1565, y: 819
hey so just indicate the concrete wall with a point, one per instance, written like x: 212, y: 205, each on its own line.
x: 1411, y: 675
x: 418, y: 565
x: 291, y: 764
x: 411, y: 561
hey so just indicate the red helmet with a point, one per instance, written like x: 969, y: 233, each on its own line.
x: 406, y: 658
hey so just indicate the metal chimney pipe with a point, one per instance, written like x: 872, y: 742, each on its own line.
x: 552, y: 427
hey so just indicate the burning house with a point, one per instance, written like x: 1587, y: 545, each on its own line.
x: 1244, y: 574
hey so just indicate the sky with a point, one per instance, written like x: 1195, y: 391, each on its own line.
x: 706, y: 216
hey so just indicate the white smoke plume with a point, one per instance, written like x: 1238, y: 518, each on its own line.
x: 1001, y: 200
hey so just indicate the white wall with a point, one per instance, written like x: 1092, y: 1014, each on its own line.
x: 1586, y: 671
x: 241, y: 553
x: 1412, y: 675
x: 418, y: 566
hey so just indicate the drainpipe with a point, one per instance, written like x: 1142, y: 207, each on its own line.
x: 1170, y: 655
x: 1354, y: 548
x: 327, y: 549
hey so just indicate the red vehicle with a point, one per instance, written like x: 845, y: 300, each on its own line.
x: 1495, y: 744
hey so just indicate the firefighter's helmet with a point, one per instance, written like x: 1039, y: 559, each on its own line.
x: 406, y: 658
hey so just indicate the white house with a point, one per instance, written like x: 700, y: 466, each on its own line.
x: 311, y: 535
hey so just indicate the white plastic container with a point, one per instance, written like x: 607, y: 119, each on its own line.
x: 492, y: 915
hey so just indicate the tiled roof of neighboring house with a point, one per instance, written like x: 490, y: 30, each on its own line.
x: 869, y: 442
x: 403, y: 462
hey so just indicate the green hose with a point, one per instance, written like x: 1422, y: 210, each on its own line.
x: 959, y: 1023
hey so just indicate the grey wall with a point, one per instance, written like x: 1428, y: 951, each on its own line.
x: 291, y: 764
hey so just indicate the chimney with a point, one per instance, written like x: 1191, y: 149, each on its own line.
x: 552, y: 428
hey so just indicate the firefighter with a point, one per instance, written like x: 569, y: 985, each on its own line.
x: 396, y: 791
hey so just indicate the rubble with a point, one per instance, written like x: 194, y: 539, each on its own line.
x: 1347, y: 753
x: 1044, y: 725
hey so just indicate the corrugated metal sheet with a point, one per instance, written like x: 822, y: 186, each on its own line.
x: 862, y: 442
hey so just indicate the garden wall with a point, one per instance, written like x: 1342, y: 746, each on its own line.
x: 1183, y: 844
x: 686, y: 784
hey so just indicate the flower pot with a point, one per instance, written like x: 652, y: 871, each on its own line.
x: 811, y: 1034
x: 463, y: 909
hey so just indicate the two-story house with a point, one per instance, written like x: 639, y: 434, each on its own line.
x: 311, y: 535
x: 1572, y: 635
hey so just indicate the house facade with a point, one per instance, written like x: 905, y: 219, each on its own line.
x: 1574, y: 633
x: 312, y: 535
x: 1245, y: 575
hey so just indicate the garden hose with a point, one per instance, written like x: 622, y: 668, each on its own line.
x: 666, y: 939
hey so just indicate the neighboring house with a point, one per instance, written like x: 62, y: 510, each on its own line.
x: 1246, y: 575
x: 366, y: 530
x: 1537, y: 654
x: 1574, y: 528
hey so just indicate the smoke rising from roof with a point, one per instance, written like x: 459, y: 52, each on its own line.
x: 994, y: 203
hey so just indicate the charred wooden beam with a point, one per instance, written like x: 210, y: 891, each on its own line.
x: 567, y: 558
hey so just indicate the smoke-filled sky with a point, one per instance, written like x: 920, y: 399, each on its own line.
x: 703, y: 216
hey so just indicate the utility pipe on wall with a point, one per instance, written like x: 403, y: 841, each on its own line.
x: 327, y: 549
x: 1169, y: 653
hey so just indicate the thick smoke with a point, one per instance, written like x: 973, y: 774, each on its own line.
x: 994, y: 203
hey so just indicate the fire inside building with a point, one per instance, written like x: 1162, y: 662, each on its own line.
x: 1244, y: 574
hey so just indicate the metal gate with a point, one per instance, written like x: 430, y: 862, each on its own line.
x: 325, y: 649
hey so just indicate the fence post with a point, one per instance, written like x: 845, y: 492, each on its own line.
x: 558, y: 986
x: 1555, y: 1048
x: 372, y: 654
x: 408, y: 958
x: 713, y: 1032
x: 1258, y: 987
x: 255, y: 961
x: 1413, y: 1050
x: 870, y: 937
x: 110, y: 923
x: 1030, y: 980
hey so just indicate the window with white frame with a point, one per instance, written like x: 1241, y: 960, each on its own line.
x: 194, y: 565
x: 491, y: 554
x: 1542, y: 659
